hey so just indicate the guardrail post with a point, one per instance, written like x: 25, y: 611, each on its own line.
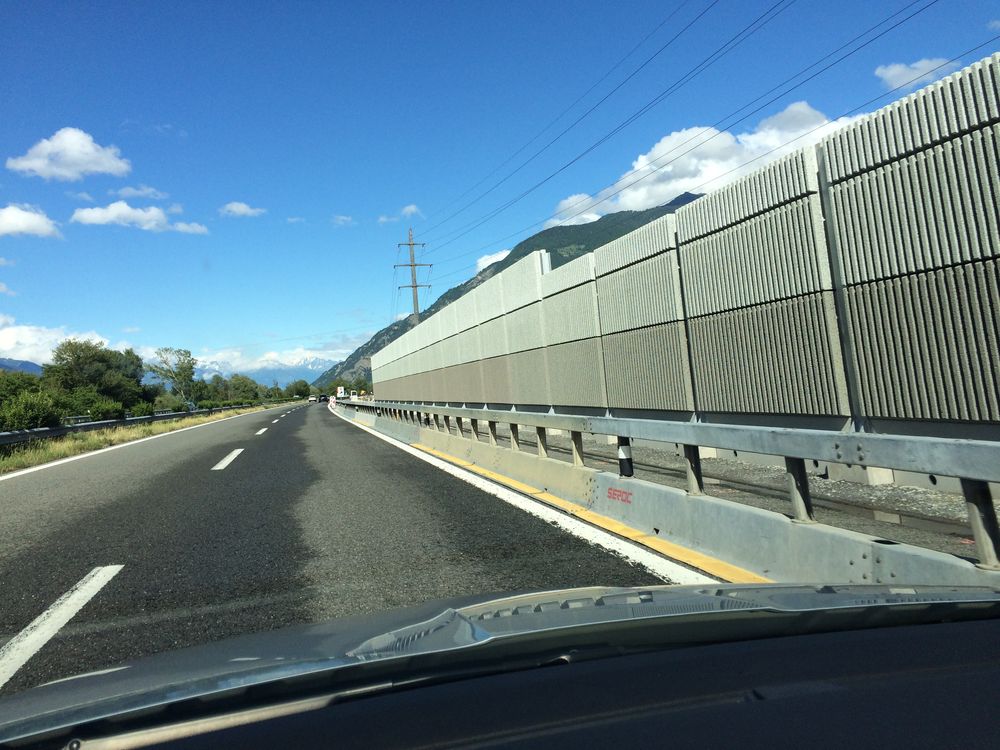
x: 515, y: 439
x: 447, y: 424
x: 542, y: 439
x: 458, y: 426
x: 692, y: 466
x: 625, y: 466
x: 474, y: 423
x: 983, y: 520
x: 492, y: 427
x: 577, y: 439
x: 798, y: 490
x: 437, y: 422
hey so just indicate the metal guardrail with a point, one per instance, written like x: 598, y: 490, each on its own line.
x: 975, y: 462
x: 45, y: 433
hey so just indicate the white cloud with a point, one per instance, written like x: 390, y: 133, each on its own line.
x: 914, y: 74
x: 698, y: 159
x: 4, y: 289
x: 175, y: 208
x: 69, y: 155
x: 411, y: 210
x: 489, y: 260
x: 192, y: 228
x: 25, y: 219
x: 131, y: 329
x: 35, y: 343
x: 994, y: 25
x: 143, y: 191
x: 81, y: 196
x: 401, y: 316
x: 238, y: 208
x: 6, y: 262
x: 150, y: 219
x: 383, y: 219
x: 294, y: 219
x: 341, y: 220
x: 237, y: 359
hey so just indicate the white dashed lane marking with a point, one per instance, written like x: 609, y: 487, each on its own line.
x: 227, y: 460
x: 39, y: 631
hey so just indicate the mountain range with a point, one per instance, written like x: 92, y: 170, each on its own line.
x: 20, y: 365
x: 564, y: 243
x: 269, y: 371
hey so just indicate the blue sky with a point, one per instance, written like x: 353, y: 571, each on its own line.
x: 233, y: 178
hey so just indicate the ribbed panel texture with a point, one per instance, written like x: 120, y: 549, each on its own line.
x: 648, y: 369
x: 771, y: 359
x: 936, y: 208
x: 928, y: 346
x: 640, y: 295
x: 774, y: 256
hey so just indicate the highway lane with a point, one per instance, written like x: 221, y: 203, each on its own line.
x: 311, y: 518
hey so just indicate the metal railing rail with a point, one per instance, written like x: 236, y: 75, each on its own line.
x: 975, y: 462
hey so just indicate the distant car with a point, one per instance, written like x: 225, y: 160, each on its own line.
x: 313, y: 399
x: 323, y: 397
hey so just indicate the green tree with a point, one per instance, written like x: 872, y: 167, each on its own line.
x: 28, y: 409
x: 113, y: 375
x: 13, y: 382
x: 243, y: 389
x: 176, y: 367
x: 297, y: 389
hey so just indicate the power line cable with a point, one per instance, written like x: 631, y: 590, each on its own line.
x: 562, y: 114
x: 745, y: 33
x: 579, y: 119
x: 781, y: 146
x: 591, y: 204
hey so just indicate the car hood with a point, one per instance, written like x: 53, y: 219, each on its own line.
x: 442, y: 629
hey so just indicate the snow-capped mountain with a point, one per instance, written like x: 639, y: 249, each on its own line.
x: 266, y: 371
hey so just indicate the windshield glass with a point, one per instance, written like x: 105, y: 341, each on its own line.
x: 322, y: 310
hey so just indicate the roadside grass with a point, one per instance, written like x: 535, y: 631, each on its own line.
x: 37, y: 452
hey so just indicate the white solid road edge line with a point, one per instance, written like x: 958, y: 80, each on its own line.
x: 656, y: 564
x: 227, y: 460
x: 261, y: 431
x: 57, y: 462
x: 16, y: 652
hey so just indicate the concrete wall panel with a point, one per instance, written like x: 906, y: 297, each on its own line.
x: 927, y: 346
x: 655, y: 237
x: 524, y: 328
x: 936, y: 208
x: 489, y: 299
x: 493, y: 338
x: 521, y: 282
x: 497, y: 381
x: 779, y: 358
x: 576, y: 373
x: 648, y: 368
x: 571, y: 315
x: 964, y: 100
x: 781, y: 181
x: 576, y: 272
x: 529, y: 377
x: 641, y: 294
x: 772, y: 256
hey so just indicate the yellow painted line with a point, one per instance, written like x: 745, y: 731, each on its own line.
x: 706, y: 563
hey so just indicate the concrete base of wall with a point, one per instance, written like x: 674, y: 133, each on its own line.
x: 769, y: 545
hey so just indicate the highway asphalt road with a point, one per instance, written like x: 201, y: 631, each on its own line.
x: 314, y: 519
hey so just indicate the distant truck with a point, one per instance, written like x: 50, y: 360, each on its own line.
x: 354, y: 395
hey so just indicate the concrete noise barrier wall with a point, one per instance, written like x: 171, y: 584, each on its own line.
x: 859, y: 277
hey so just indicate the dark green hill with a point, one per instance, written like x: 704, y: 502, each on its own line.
x: 564, y: 243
